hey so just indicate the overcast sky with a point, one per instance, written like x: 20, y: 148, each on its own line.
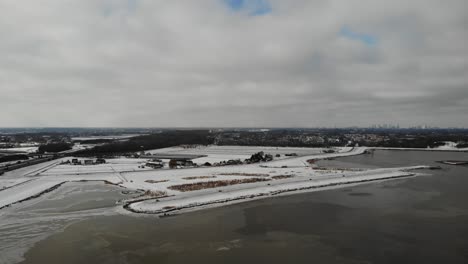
x: 259, y: 63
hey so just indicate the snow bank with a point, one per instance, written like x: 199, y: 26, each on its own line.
x: 26, y: 191
x: 21, y: 149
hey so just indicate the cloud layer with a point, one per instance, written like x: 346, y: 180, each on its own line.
x: 203, y: 63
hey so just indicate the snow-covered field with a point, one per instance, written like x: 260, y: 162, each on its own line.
x: 8, y: 183
x: 283, y: 175
x: 32, y: 149
x: 236, y: 150
x: 106, y: 137
x: 111, y: 166
x: 215, y: 154
x: 216, y: 158
x: 296, y: 166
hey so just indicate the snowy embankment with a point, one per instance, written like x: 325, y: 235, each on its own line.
x: 35, y: 187
x: 21, y: 149
x: 209, y: 198
x: 27, y: 190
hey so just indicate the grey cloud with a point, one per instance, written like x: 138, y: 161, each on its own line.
x: 194, y: 63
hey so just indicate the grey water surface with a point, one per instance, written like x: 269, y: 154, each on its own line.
x: 416, y: 220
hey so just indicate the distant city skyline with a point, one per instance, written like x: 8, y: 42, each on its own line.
x: 233, y: 63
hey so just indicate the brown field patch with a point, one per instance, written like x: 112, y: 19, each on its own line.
x: 279, y: 177
x: 153, y: 181
x: 149, y: 193
x: 213, y: 184
x: 198, y: 177
x: 246, y: 174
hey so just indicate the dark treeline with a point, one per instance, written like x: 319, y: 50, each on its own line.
x: 35, y: 137
x: 13, y: 158
x: 153, y: 141
x: 54, y: 147
x: 395, y: 142
x: 421, y: 140
x: 95, y: 141
x: 275, y: 138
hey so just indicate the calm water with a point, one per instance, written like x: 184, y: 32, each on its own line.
x: 418, y: 220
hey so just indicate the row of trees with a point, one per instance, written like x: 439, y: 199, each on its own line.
x: 13, y: 158
x: 54, y: 147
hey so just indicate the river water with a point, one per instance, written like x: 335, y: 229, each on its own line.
x: 416, y: 220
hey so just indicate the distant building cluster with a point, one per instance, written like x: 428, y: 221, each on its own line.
x: 76, y: 161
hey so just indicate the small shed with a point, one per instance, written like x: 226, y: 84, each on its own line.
x: 154, y: 164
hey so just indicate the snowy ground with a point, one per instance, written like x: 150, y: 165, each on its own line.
x: 78, y: 146
x: 215, y: 154
x: 21, y: 149
x: 106, y: 137
x: 111, y: 166
x: 295, y: 172
x: 236, y: 150
x: 216, y: 158
x: 9, y: 183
